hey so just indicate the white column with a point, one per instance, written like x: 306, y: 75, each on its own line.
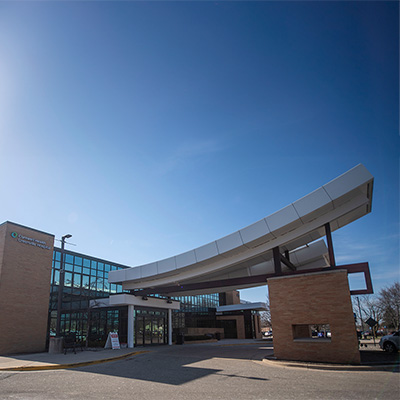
x: 169, y: 327
x: 131, y: 326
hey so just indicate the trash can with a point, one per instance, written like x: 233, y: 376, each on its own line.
x: 180, y: 339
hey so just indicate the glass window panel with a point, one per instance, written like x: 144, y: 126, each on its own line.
x: 68, y: 279
x: 68, y: 258
x: 77, y: 269
x: 93, y: 283
x: 57, y: 255
x: 56, y: 277
x: 69, y: 267
x: 57, y: 264
x: 86, y: 271
x: 100, y: 285
x: 85, y: 281
x: 77, y: 280
x: 100, y: 265
x: 78, y: 260
x: 93, y: 272
x: 107, y: 267
x: 94, y: 264
x: 86, y: 262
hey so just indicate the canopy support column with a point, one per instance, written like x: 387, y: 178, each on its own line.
x: 169, y: 327
x: 277, y: 260
x: 330, y: 245
x: 131, y: 326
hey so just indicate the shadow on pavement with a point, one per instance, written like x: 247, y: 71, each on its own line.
x: 379, y: 357
x: 178, y: 365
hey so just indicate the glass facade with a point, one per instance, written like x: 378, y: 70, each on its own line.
x: 86, y: 278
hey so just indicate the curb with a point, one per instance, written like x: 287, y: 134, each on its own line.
x: 238, y: 344
x: 331, y: 367
x: 71, y: 365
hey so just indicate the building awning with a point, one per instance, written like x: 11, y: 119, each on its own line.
x: 131, y: 300
x: 241, y: 307
x: 242, y: 259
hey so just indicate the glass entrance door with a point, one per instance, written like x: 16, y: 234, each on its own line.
x: 147, y: 330
x: 150, y: 328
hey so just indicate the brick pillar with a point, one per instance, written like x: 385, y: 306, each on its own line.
x: 299, y: 301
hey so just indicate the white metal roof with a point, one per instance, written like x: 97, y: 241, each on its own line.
x: 248, y: 252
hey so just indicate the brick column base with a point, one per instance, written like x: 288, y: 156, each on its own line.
x: 300, y: 302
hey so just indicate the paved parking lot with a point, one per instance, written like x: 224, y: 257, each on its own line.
x: 199, y: 372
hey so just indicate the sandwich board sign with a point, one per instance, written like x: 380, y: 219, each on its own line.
x: 112, y: 341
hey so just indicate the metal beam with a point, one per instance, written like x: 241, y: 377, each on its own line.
x: 288, y: 263
x: 277, y: 260
x: 330, y: 245
x: 262, y: 279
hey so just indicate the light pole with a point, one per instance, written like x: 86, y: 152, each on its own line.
x: 61, y: 286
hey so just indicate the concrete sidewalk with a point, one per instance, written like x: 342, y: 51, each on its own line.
x: 44, y: 361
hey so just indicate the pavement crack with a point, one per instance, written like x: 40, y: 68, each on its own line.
x: 5, y: 376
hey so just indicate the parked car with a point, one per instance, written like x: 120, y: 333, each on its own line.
x: 390, y: 343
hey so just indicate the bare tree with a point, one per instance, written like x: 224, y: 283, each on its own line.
x: 265, y: 316
x: 365, y: 307
x: 389, y: 302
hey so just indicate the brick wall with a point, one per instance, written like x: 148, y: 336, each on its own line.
x: 241, y: 334
x: 319, y: 298
x: 25, y: 270
x: 232, y: 297
x: 204, y: 331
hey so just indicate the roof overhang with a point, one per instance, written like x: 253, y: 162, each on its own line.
x: 248, y: 252
x: 125, y: 299
x: 242, y: 307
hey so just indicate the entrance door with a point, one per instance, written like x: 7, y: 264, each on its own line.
x: 150, y: 329
x: 155, y: 337
x: 229, y: 326
x: 139, y: 331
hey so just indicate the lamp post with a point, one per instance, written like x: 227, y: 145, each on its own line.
x: 61, y: 286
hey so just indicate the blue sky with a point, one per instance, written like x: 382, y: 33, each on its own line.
x: 146, y: 129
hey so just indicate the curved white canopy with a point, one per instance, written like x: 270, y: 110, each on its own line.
x: 248, y: 252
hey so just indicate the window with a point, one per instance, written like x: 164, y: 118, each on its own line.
x: 306, y: 332
x: 78, y: 261
x: 68, y: 279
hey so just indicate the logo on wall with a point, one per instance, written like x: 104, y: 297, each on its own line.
x: 28, y: 240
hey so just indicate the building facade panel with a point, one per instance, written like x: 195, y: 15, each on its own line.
x: 25, y: 269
